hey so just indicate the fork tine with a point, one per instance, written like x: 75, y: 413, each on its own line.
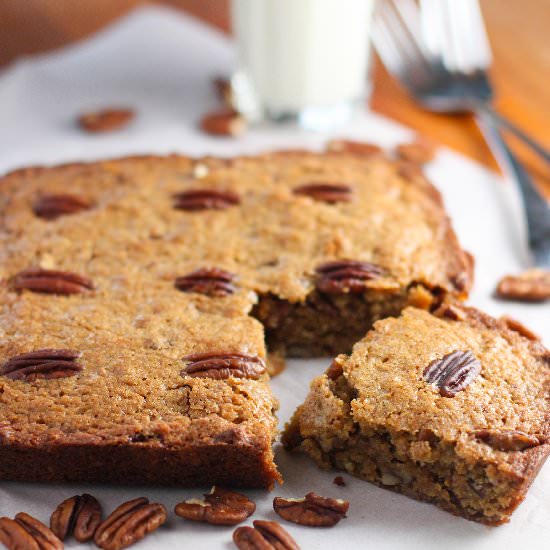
x: 395, y: 38
x: 462, y: 40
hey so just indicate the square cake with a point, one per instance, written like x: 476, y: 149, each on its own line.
x: 133, y: 294
x: 450, y: 408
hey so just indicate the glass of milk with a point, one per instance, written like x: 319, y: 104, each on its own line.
x: 303, y: 60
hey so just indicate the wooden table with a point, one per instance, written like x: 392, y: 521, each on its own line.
x: 519, y: 32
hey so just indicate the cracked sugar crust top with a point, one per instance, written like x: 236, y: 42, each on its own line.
x: 243, y: 216
x: 387, y: 371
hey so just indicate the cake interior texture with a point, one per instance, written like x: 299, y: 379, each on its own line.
x: 134, y: 294
x: 474, y: 454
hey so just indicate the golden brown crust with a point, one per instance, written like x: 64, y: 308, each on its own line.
x: 379, y: 395
x: 134, y: 325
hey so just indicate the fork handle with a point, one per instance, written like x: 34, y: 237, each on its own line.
x: 503, y: 122
x: 536, y: 208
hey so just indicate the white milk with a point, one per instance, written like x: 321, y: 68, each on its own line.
x: 299, y: 54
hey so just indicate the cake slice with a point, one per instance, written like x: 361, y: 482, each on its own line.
x: 451, y: 408
x: 107, y: 389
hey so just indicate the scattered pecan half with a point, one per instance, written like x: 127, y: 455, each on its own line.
x: 129, y: 523
x: 105, y: 120
x: 354, y: 147
x: 223, y: 365
x: 50, y: 281
x: 419, y: 152
x: 453, y: 372
x: 205, y: 199
x: 44, y: 363
x: 312, y: 510
x: 343, y: 276
x: 265, y: 535
x: 211, y: 281
x: 27, y: 533
x: 79, y: 516
x: 509, y: 440
x: 339, y: 480
x: 531, y: 286
x: 226, y: 122
x: 51, y: 207
x: 325, y: 192
x: 219, y: 507
x: 15, y: 537
x: 520, y: 328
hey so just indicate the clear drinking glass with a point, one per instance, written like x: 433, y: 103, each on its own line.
x: 303, y: 60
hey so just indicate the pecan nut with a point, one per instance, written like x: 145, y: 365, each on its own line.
x: 325, y: 192
x: 226, y: 122
x: 509, y: 440
x: 51, y: 207
x: 105, y: 120
x: 520, y: 328
x: 79, y: 516
x: 219, y: 507
x: 531, y: 286
x: 265, y: 535
x: 41, y: 536
x: 419, y: 152
x: 221, y: 366
x: 15, y: 537
x: 346, y: 276
x: 312, y: 510
x: 44, y: 363
x: 210, y: 281
x: 205, y: 199
x: 453, y: 372
x: 50, y: 281
x: 353, y: 147
x: 129, y: 523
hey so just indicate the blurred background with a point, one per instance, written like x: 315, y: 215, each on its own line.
x: 518, y: 30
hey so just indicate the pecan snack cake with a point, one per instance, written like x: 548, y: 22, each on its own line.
x: 130, y: 294
x: 450, y: 408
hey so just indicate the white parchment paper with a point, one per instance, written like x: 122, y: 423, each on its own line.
x: 161, y: 62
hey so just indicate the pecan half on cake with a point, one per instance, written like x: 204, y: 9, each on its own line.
x: 451, y: 408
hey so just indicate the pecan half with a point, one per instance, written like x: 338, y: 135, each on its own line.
x: 105, y: 120
x: 219, y: 507
x: 343, y: 276
x: 520, y: 328
x: 79, y: 516
x: 211, y: 281
x: 453, y: 372
x: 129, y: 523
x: 39, y: 532
x: 531, y: 286
x: 509, y: 440
x: 223, y: 365
x: 226, y: 122
x: 15, y: 537
x: 50, y: 281
x: 52, y: 206
x: 325, y: 192
x: 419, y: 152
x: 205, y: 199
x: 312, y: 510
x: 44, y: 363
x: 265, y: 535
x: 354, y: 147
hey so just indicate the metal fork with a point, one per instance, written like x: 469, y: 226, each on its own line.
x: 440, y: 53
